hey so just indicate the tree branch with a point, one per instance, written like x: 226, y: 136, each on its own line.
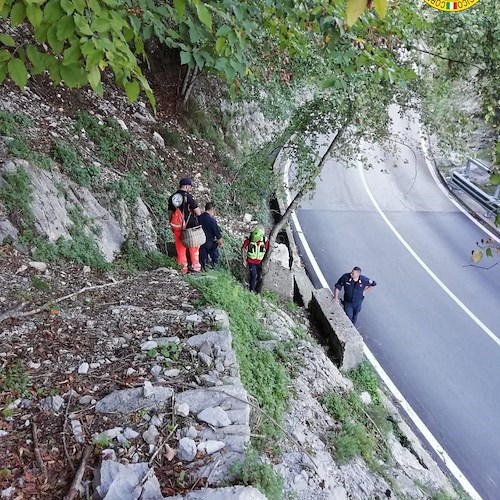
x: 15, y: 314
x: 465, y: 63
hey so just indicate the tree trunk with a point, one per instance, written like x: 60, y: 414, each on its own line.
x: 188, y: 83
x: 293, y: 205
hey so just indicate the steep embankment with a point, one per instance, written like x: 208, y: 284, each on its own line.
x: 137, y: 368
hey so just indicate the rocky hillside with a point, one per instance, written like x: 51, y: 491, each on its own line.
x: 121, y: 379
x: 144, y: 374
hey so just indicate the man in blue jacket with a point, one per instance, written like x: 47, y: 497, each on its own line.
x: 356, y: 286
x: 213, y: 234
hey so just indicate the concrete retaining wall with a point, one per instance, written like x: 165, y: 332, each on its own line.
x: 345, y: 341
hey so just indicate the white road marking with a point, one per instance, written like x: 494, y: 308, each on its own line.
x: 433, y: 443
x: 424, y: 265
x: 425, y: 149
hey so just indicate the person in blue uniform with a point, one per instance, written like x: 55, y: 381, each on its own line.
x: 210, y: 250
x: 355, y: 286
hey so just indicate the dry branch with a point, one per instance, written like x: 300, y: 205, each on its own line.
x: 74, y: 491
x: 38, y: 457
x: 15, y: 314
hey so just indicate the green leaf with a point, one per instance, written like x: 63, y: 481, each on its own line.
x: 203, y: 15
x: 180, y: 7
x: 93, y: 58
x: 220, y: 43
x: 4, y: 55
x: 36, y: 59
x: 100, y: 25
x: 477, y: 255
x: 17, y: 14
x: 34, y: 14
x: 354, y: 10
x: 3, y: 71
x: 186, y: 58
x: 80, y: 5
x: 56, y: 44
x: 73, y: 75
x: 224, y: 30
x: 151, y: 98
x: 94, y: 77
x: 2, y: 3
x: 52, y: 11
x: 54, y: 68
x: 17, y: 72
x: 132, y: 89
x: 71, y: 55
x: 7, y: 40
x: 65, y: 28
x: 495, y: 178
x: 95, y: 7
x: 68, y: 6
x: 380, y: 7
x: 82, y: 25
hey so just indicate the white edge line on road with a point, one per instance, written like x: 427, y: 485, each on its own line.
x: 426, y: 155
x: 433, y: 443
x: 424, y: 265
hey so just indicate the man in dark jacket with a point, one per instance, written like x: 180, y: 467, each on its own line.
x: 213, y: 234
x: 356, y: 286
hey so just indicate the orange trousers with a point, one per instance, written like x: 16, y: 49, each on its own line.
x: 194, y: 253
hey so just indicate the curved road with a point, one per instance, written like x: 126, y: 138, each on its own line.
x: 433, y: 323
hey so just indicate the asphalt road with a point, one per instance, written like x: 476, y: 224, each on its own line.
x: 437, y: 342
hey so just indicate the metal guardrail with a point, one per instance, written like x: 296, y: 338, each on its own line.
x: 461, y: 181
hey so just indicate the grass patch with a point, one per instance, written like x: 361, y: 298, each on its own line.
x: 83, y: 175
x: 12, y: 125
x: 254, y: 472
x: 364, y: 379
x: 39, y: 284
x: 81, y: 249
x: 262, y: 374
x: 363, y: 429
x: 133, y: 259
x: 128, y: 188
x: 16, y: 194
x: 171, y: 137
x: 113, y: 142
x: 14, y: 378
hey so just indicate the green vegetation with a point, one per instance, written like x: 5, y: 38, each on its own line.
x: 260, y: 475
x: 128, y: 188
x: 171, y: 137
x: 39, y: 284
x: 170, y: 352
x: 363, y: 428
x: 81, y: 248
x: 364, y: 379
x: 14, y: 378
x: 114, y: 143
x: 16, y: 195
x: 132, y: 259
x: 13, y: 126
x: 84, y: 175
x: 262, y: 374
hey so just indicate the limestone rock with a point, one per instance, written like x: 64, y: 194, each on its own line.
x: 186, y: 450
x: 113, y: 481
x: 214, y: 416
x: 131, y: 400
x: 210, y: 447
